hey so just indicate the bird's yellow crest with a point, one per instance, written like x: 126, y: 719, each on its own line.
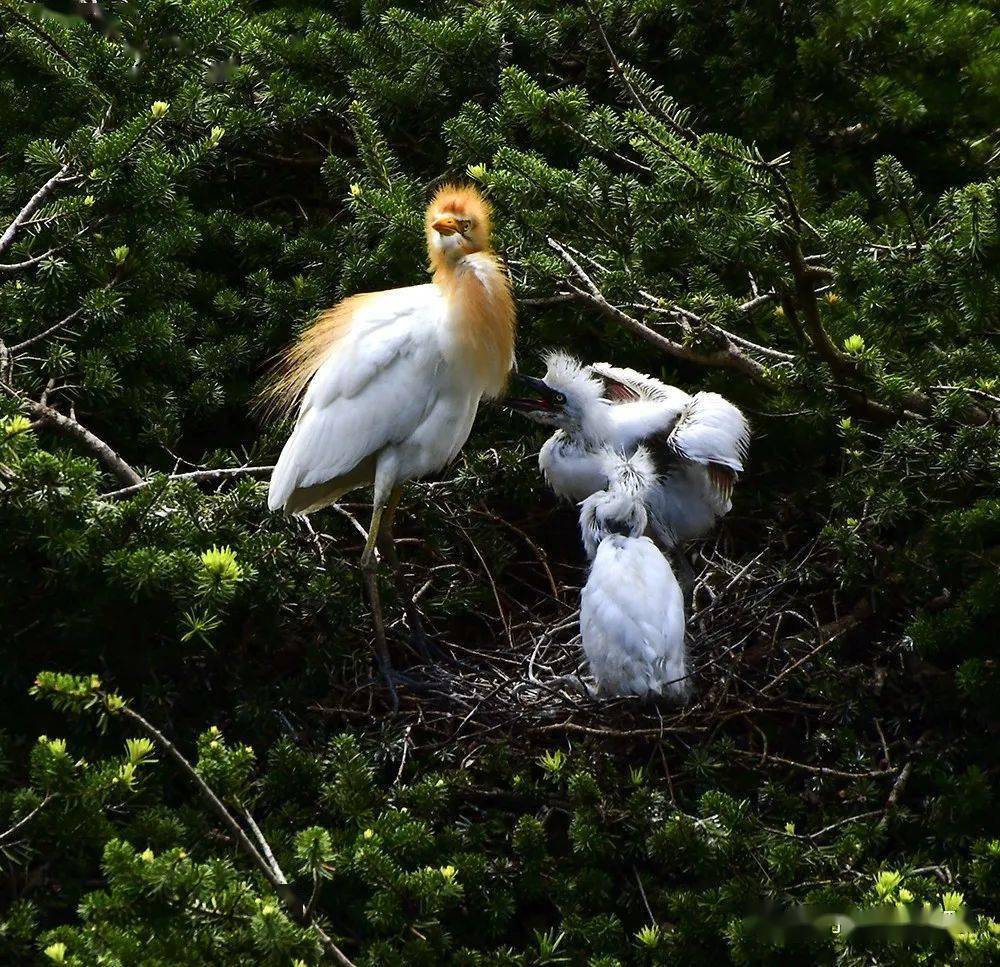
x: 474, y: 281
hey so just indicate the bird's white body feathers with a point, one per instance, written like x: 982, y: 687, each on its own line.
x: 396, y: 401
x: 631, y: 608
x: 632, y: 620
x: 711, y: 430
x: 571, y: 468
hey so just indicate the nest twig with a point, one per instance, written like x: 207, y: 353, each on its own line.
x: 758, y: 624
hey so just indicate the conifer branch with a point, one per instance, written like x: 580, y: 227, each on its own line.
x: 272, y: 874
x: 619, y: 71
x: 34, y: 260
x: 728, y: 358
x: 840, y: 364
x: 70, y: 427
x: 41, y: 34
x: 610, y: 153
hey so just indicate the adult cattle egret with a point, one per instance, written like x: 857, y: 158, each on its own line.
x: 631, y: 608
x: 390, y: 382
x: 699, y: 442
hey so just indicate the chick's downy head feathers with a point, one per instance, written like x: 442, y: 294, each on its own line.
x: 621, y: 509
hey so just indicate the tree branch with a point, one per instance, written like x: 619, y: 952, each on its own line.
x: 69, y: 427
x: 654, y: 305
x: 842, y: 365
x: 273, y: 875
x: 198, y: 476
x: 43, y: 35
x: 33, y: 204
x: 47, y: 332
x: 24, y: 820
x: 728, y: 358
x: 27, y: 263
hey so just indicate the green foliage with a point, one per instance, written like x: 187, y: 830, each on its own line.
x: 222, y: 171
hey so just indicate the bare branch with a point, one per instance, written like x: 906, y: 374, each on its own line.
x: 817, y: 770
x: 265, y: 847
x: 655, y: 305
x: 33, y: 204
x: 71, y: 428
x: 27, y: 263
x: 728, y: 358
x: 272, y: 874
x: 197, y: 476
x: 758, y: 300
x: 982, y: 394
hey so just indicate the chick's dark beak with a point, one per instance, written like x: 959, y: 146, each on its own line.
x: 529, y: 394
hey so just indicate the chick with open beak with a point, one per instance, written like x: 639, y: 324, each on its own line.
x: 535, y: 399
x: 570, y: 465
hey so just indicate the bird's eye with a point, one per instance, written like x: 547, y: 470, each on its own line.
x: 464, y: 224
x: 560, y: 398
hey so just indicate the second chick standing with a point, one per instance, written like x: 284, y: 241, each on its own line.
x: 631, y: 608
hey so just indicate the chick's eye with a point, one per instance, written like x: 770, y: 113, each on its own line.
x: 560, y: 398
x: 464, y: 224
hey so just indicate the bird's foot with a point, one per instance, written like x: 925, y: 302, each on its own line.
x: 574, y: 683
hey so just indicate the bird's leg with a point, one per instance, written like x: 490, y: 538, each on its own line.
x: 387, y: 548
x: 368, y: 554
x: 686, y: 577
x: 369, y: 573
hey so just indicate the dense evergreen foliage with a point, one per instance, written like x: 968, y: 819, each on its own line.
x: 794, y: 204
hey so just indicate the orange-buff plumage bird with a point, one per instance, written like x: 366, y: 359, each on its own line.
x: 390, y: 382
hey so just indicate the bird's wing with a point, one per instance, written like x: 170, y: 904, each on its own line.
x: 373, y: 390
x: 685, y: 504
x: 623, y: 385
x: 714, y: 433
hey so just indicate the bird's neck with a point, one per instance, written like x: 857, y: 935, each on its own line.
x: 481, y: 313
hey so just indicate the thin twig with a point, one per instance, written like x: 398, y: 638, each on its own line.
x: 195, y: 476
x: 728, y: 358
x: 277, y: 880
x: 24, y: 820
x: 62, y: 323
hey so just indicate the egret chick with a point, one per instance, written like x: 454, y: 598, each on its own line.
x: 699, y: 442
x: 631, y: 608
x: 388, y: 383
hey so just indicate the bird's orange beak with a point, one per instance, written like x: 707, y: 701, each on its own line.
x: 445, y: 226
